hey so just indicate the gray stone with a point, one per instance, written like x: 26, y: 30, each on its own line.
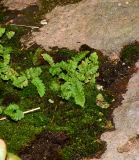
x: 106, y: 25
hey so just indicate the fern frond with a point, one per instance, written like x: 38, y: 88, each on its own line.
x: 2, y: 31
x: 20, y: 82
x: 37, y: 82
x: 14, y: 112
x: 48, y: 58
x: 33, y: 72
x: 80, y: 56
x: 73, y: 88
x: 10, y: 34
x: 7, y: 73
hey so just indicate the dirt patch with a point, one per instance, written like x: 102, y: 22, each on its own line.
x: 45, y: 147
x: 26, y: 18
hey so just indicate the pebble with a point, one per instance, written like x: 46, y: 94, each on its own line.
x: 123, y: 63
x: 44, y: 22
x: 50, y: 101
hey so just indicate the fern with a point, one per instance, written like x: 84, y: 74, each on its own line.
x: 39, y: 85
x: 55, y: 86
x: 20, y: 82
x: 48, y: 58
x: 2, y: 31
x: 10, y: 34
x: 74, y: 74
x: 73, y: 89
x: 14, y: 112
x: 33, y: 72
x: 7, y: 73
x: 30, y: 75
x: 5, y: 55
x: 33, y: 75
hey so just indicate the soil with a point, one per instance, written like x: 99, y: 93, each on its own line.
x: 25, y: 17
x: 46, y: 146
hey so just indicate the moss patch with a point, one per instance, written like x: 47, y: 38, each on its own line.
x: 130, y: 53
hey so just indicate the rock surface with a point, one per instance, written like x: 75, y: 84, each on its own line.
x: 18, y: 4
x: 123, y: 143
x: 106, y: 25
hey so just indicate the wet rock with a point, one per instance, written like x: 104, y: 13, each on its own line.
x: 101, y: 24
x: 18, y: 4
x: 123, y: 142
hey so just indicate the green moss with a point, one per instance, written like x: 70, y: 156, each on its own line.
x: 83, y: 126
x: 20, y: 133
x: 130, y: 53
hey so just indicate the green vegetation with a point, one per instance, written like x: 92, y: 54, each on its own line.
x: 130, y: 53
x: 69, y: 84
x: 71, y: 76
x: 14, y: 112
x: 18, y: 80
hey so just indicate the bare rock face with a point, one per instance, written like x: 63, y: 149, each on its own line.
x: 18, y: 4
x: 106, y: 25
x: 123, y: 142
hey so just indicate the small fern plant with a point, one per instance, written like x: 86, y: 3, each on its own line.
x: 71, y: 76
x: 30, y: 75
x: 13, y: 112
x: 3, y: 32
x: 23, y: 79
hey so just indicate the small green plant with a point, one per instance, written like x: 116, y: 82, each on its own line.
x: 71, y: 76
x: 23, y: 79
x: 9, y: 34
x: 30, y: 75
x: 12, y: 111
x: 2, y: 31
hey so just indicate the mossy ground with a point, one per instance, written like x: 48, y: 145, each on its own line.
x: 83, y: 126
x: 130, y: 53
